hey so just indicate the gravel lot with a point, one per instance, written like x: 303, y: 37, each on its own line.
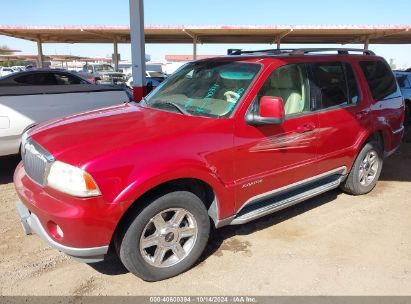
x: 334, y: 244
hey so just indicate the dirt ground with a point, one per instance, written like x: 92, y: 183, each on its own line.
x: 334, y: 244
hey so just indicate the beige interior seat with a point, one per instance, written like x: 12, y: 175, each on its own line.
x: 282, y: 85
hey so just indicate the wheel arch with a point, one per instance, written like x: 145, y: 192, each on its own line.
x: 201, y: 188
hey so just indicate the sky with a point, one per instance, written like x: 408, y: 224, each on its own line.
x: 202, y: 12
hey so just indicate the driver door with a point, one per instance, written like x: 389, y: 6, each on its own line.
x: 269, y: 157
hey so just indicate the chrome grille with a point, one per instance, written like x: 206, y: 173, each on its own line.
x: 36, y: 161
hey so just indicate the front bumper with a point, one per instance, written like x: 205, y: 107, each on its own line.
x: 31, y: 224
x: 87, y: 224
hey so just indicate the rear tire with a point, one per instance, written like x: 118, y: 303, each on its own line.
x: 365, y: 171
x: 165, y: 238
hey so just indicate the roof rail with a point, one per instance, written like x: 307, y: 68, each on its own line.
x: 267, y: 51
x: 341, y: 51
x: 295, y: 52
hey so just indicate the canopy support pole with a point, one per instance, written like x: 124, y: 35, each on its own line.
x: 138, y: 57
x: 115, y: 54
x: 40, y: 63
x: 194, y: 48
x: 366, y: 43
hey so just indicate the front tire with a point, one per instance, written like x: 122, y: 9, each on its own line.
x: 166, y: 237
x: 365, y: 171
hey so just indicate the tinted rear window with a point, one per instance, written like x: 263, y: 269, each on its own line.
x: 334, y: 83
x: 37, y: 79
x: 380, y: 80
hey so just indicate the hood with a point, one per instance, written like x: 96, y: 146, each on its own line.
x: 81, y: 138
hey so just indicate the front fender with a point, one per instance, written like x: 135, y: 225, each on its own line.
x: 190, y: 169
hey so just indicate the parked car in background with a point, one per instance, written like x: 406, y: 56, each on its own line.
x: 171, y: 67
x: 42, y: 77
x: 28, y: 98
x: 18, y: 68
x: 159, y: 76
x: 125, y: 69
x: 102, y: 74
x: 153, y: 80
x: 222, y: 141
x: 404, y: 81
x: 155, y: 67
x: 5, y: 71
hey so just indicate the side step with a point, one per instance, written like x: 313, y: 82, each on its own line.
x: 284, y: 199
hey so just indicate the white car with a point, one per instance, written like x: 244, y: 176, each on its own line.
x: 153, y: 79
x: 23, y: 106
x: 18, y: 68
x: 5, y: 71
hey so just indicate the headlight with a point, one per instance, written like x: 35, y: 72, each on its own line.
x: 71, y: 180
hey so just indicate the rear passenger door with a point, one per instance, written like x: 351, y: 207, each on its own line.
x: 342, y: 112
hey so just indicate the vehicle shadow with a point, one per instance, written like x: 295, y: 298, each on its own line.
x: 113, y: 266
x: 7, y: 166
x: 396, y: 167
x: 218, y: 236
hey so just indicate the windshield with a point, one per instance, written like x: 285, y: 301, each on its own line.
x: 104, y: 68
x: 211, y: 89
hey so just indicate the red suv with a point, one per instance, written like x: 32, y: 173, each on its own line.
x: 229, y: 139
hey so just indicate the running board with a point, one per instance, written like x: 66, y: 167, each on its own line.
x: 284, y: 199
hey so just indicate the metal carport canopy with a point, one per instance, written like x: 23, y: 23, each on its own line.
x: 216, y: 34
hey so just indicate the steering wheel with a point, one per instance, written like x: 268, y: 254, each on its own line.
x: 231, y: 96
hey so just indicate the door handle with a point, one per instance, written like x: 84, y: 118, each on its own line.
x: 306, y: 128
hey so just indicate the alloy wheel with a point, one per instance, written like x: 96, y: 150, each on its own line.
x: 168, y: 237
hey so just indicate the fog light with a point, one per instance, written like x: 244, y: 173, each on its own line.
x: 55, y: 230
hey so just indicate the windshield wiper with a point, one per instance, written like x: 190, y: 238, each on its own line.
x: 179, y: 108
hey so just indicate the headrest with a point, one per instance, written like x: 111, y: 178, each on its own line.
x: 283, y: 79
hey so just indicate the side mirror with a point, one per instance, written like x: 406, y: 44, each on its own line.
x: 269, y: 111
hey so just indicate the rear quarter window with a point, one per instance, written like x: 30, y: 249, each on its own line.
x: 380, y: 80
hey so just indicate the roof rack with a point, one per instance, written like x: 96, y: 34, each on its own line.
x: 295, y: 52
x: 340, y: 51
x: 267, y: 51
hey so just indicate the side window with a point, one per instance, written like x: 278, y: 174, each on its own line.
x: 37, y: 79
x: 330, y: 86
x: 291, y: 84
x: 64, y: 79
x: 380, y: 80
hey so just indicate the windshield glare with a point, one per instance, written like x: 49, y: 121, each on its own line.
x: 211, y: 89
